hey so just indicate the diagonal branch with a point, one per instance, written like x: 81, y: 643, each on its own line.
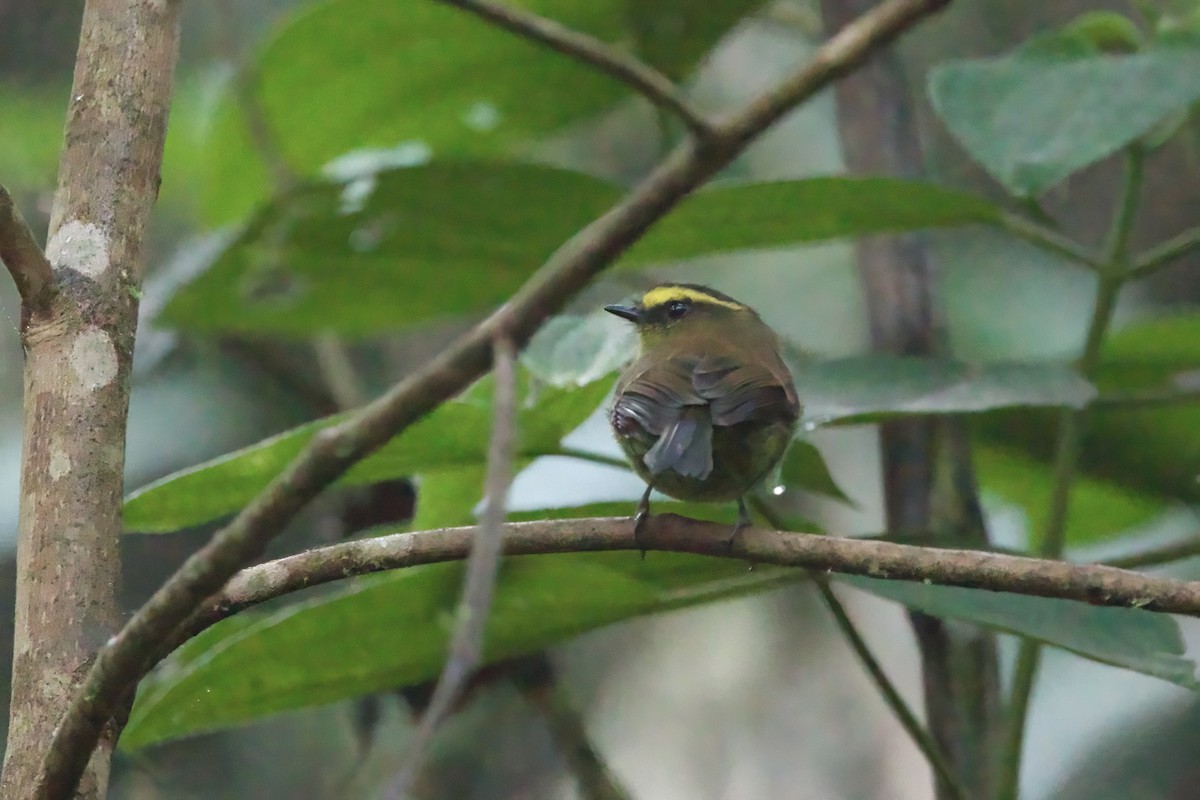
x: 466, y: 647
x: 613, y: 61
x: 26, y: 262
x: 122, y: 661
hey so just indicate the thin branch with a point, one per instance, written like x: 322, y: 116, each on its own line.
x: 1050, y: 240
x: 122, y: 661
x: 921, y: 737
x: 974, y: 569
x: 539, y: 684
x: 466, y: 646
x: 1161, y: 255
x: 1166, y: 554
x: 1113, y: 275
x: 28, y: 265
x: 612, y: 61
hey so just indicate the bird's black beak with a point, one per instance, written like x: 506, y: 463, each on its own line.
x: 631, y: 313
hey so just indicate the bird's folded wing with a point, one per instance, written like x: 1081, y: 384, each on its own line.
x: 738, y: 392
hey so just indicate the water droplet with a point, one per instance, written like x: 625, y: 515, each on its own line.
x: 778, y: 490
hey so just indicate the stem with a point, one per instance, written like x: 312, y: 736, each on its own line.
x: 1050, y: 240
x: 1159, y: 256
x: 1176, y: 551
x: 1113, y: 275
x: 921, y: 737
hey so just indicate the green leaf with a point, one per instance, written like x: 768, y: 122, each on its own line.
x: 576, y: 349
x: 1100, y: 509
x: 804, y: 468
x: 391, y: 630
x: 867, y: 386
x: 453, y: 436
x: 1129, y: 638
x: 437, y: 76
x: 1032, y: 119
x: 774, y: 214
x: 386, y: 250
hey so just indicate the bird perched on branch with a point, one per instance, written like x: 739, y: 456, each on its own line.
x: 708, y: 407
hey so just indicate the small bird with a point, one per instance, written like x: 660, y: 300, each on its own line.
x: 708, y: 407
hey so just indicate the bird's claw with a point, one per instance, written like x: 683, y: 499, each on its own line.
x: 639, y: 521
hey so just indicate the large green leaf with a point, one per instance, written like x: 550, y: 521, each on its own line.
x: 1033, y: 118
x: 391, y: 631
x: 869, y: 386
x: 1123, y: 637
x: 453, y: 436
x: 436, y: 76
x: 388, y: 249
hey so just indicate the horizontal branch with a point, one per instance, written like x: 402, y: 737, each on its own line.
x: 619, y: 64
x: 24, y: 259
x: 125, y: 658
x: 1088, y: 583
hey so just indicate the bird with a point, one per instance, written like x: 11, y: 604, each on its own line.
x: 707, y: 407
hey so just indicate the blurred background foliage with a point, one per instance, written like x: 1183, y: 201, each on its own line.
x: 348, y: 184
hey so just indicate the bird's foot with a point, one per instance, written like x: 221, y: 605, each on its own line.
x: 743, y: 522
x: 639, y: 521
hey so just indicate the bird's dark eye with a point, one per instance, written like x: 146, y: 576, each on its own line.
x: 677, y: 309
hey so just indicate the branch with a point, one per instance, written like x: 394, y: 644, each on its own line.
x: 122, y: 661
x: 1158, y: 257
x: 1096, y: 584
x: 466, y: 648
x: 612, y: 61
x: 26, y: 262
x: 891, y: 695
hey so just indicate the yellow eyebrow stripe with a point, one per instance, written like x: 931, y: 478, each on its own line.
x: 669, y: 294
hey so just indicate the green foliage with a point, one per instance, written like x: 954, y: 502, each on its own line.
x: 436, y: 76
x: 419, y: 202
x: 453, y: 436
x: 392, y: 630
x: 1123, y: 637
x: 459, y: 237
x: 1033, y: 117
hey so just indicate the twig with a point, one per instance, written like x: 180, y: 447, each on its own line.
x: 1097, y: 584
x: 1158, y: 257
x: 1176, y: 551
x: 1050, y: 240
x: 466, y: 646
x: 28, y: 265
x: 921, y: 737
x: 124, y: 660
x: 539, y: 684
x: 1113, y: 275
x: 612, y: 61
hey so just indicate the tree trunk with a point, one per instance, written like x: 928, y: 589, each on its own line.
x: 78, y: 355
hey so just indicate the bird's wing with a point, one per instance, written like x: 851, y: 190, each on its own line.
x: 661, y: 399
x: 739, y: 391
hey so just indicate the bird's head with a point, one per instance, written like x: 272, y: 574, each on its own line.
x: 673, y: 309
